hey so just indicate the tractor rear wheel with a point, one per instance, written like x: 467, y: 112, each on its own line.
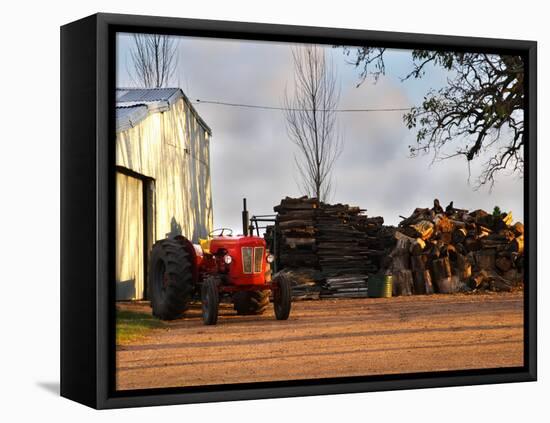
x: 251, y: 302
x: 210, y: 300
x: 282, y: 296
x: 170, y: 279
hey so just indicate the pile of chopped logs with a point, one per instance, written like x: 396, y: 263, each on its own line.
x: 455, y: 250
x: 340, y: 243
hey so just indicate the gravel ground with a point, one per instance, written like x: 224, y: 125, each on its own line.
x: 328, y: 338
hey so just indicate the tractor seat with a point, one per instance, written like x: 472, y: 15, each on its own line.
x: 205, y: 245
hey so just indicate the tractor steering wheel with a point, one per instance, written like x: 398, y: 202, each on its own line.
x: 221, y: 230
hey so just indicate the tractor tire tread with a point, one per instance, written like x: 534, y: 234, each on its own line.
x: 177, y: 264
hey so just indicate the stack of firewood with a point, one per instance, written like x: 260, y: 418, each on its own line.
x: 348, y: 286
x: 305, y: 283
x: 341, y: 247
x: 340, y: 242
x: 454, y: 250
x: 296, y: 233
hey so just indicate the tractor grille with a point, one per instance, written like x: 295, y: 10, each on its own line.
x: 258, y: 256
x: 247, y: 259
x: 252, y: 257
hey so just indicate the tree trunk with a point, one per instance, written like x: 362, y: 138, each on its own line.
x: 428, y: 286
x: 463, y: 268
x: 402, y: 283
x: 441, y: 271
x: 418, y: 266
x: 417, y: 246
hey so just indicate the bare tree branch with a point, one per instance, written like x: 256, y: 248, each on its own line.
x: 311, y: 120
x: 480, y: 111
x: 154, y: 60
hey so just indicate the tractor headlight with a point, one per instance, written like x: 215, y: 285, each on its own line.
x: 270, y: 258
x: 227, y: 259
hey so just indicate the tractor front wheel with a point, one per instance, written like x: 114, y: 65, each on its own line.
x: 210, y: 300
x: 282, y: 296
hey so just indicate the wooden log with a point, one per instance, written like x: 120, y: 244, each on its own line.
x: 516, y: 245
x: 485, y: 259
x: 463, y: 268
x: 400, y: 262
x: 448, y: 250
x: 487, y: 279
x: 498, y: 283
x: 417, y: 246
x: 419, y: 284
x: 504, y: 235
x: 483, y: 231
x: 441, y: 273
x: 294, y: 242
x: 458, y: 223
x: 444, y: 224
x: 437, y: 207
x: 503, y: 221
x: 402, y: 241
x: 515, y: 276
x: 472, y: 243
x: 428, y: 286
x: 446, y: 237
x: 479, y: 280
x: 402, y: 283
x: 433, y: 251
x: 418, y: 263
x: 492, y: 244
x: 423, y: 229
x: 482, y: 218
x: 459, y: 235
x: 518, y: 228
x: 418, y: 266
x: 296, y: 223
x: 503, y: 263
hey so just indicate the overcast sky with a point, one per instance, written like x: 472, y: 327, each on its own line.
x: 252, y: 156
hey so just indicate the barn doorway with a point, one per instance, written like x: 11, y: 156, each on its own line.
x: 134, y: 233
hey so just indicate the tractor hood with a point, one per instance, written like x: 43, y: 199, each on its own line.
x: 235, y: 242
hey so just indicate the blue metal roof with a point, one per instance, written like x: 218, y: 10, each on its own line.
x: 134, y: 104
x: 129, y: 116
x: 145, y: 95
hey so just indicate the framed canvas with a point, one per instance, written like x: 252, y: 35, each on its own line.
x: 259, y: 211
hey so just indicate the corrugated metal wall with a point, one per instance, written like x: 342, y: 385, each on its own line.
x: 173, y: 149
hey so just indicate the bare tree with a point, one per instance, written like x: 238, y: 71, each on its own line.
x: 154, y: 60
x: 311, y: 120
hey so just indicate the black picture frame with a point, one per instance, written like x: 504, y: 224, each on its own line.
x: 87, y: 211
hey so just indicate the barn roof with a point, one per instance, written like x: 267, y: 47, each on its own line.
x: 135, y: 104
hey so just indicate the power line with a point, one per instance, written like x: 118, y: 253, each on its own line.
x: 255, y: 106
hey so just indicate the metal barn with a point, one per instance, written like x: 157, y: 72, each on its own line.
x: 162, y: 179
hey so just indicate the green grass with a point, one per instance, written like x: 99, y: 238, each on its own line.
x: 131, y: 325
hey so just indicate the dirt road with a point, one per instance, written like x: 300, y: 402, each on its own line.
x: 330, y: 338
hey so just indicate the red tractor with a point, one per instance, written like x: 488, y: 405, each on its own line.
x: 225, y: 267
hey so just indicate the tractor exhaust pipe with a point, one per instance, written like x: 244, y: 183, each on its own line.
x: 245, y: 218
